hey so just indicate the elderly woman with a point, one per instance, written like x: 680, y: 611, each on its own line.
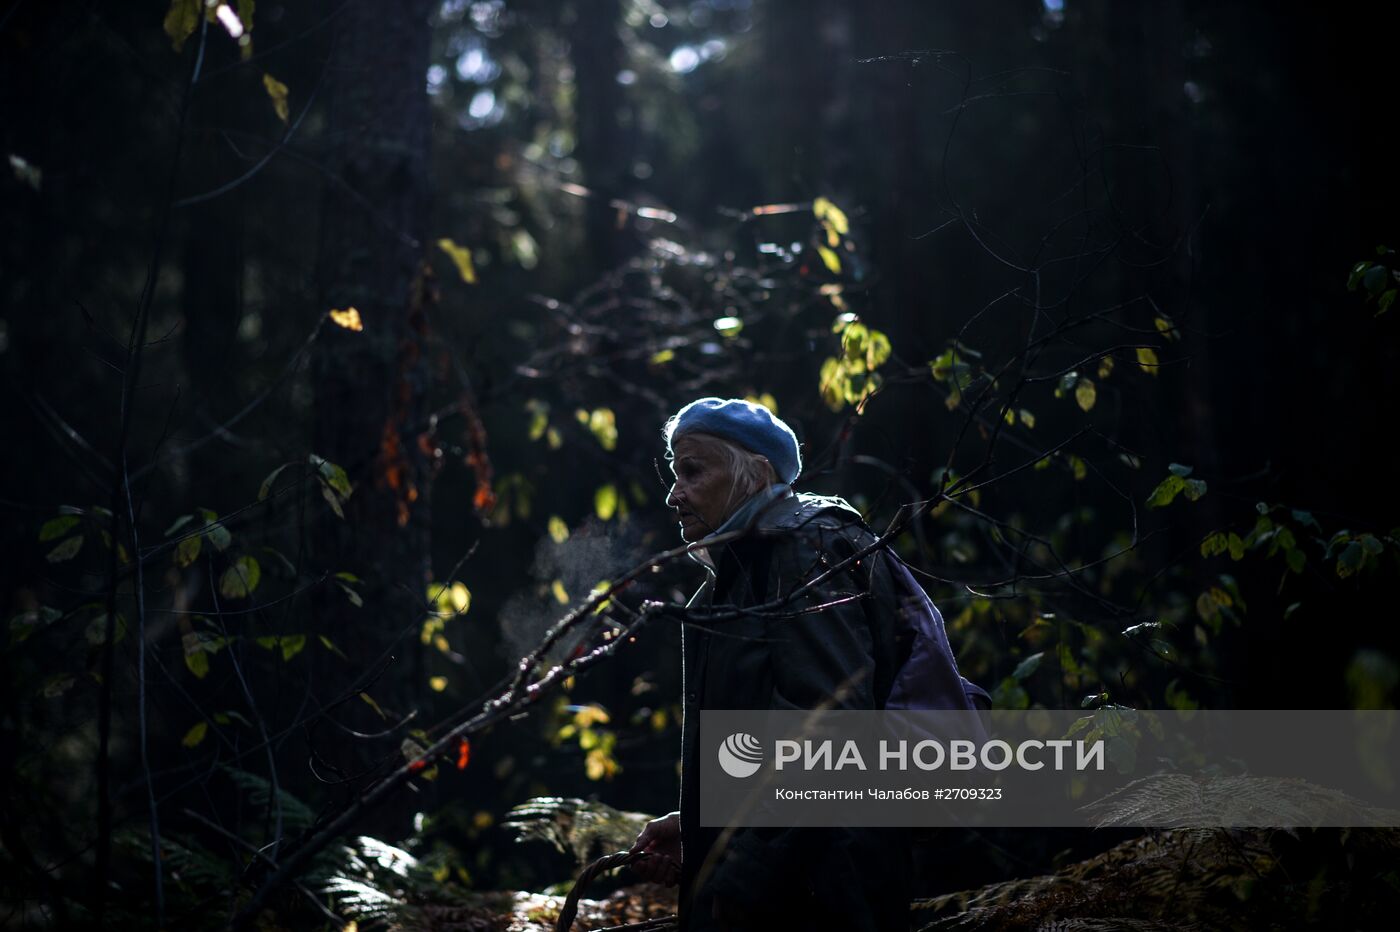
x: 734, y: 463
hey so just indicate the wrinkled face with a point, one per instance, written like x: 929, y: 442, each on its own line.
x: 703, y: 488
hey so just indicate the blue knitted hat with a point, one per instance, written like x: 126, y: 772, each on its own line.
x: 751, y: 426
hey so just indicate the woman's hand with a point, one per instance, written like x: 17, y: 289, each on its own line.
x: 661, y: 841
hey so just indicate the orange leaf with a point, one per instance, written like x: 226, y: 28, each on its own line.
x: 348, y: 318
x: 464, y: 753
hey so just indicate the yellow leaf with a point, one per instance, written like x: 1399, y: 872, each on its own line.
x: 662, y: 357
x: 181, y: 20
x: 603, y: 424
x: 195, y: 735
x: 830, y: 214
x: 461, y: 598
x: 605, y: 502
x: 560, y: 595
x: 348, y: 318
x: 553, y: 439
x: 592, y: 714
x: 461, y: 257
x: 438, y: 683
x: 558, y: 530
x: 830, y: 259
x: 1147, y: 359
x: 1086, y: 394
x: 1105, y: 367
x: 369, y: 701
x: 1027, y: 418
x: 278, y: 92
x: 187, y: 551
x: 766, y: 400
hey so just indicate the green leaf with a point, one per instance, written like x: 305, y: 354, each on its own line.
x: 1236, y: 547
x: 177, y: 524
x: 265, y: 489
x: 1176, y: 469
x: 1214, y: 545
x: 241, y: 579
x: 195, y: 735
x: 66, y: 550
x: 214, y: 532
x: 1296, y: 560
x: 1387, y: 298
x: 329, y: 645
x: 181, y: 20
x: 1028, y: 666
x: 196, y: 658
x: 292, y: 644
x: 1371, y: 544
x: 1086, y: 394
x: 332, y: 475
x: 353, y: 596
x: 96, y: 633
x: 1354, y: 279
x: 187, y: 551
x: 55, y: 528
x: 1195, y: 488
x: 830, y: 259
x: 877, y: 350
x: 369, y: 701
x: 1166, y: 491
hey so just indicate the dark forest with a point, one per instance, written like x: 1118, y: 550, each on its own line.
x: 340, y: 583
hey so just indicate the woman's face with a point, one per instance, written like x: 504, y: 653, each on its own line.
x: 703, y: 487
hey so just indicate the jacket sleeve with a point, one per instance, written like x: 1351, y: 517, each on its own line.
x: 819, y: 659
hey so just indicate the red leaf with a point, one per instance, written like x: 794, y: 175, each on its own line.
x: 416, y: 765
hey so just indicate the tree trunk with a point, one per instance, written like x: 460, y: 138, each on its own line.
x: 371, y: 385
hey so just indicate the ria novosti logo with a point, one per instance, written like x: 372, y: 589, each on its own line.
x: 740, y: 755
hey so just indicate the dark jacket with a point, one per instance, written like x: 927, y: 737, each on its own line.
x: 846, y: 656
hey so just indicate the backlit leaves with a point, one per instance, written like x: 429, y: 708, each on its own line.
x: 66, y: 550
x: 558, y: 530
x: 1176, y: 484
x: 349, y: 318
x: 851, y: 377
x: 195, y: 735
x: 335, y: 484
x: 1085, y: 394
x: 461, y: 257
x: 277, y: 92
x: 54, y: 528
x: 1147, y: 359
x: 241, y: 579
x: 605, y: 502
x: 181, y: 20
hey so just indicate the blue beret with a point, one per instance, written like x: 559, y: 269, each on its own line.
x: 751, y: 426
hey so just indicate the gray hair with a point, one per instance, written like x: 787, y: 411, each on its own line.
x: 750, y: 472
